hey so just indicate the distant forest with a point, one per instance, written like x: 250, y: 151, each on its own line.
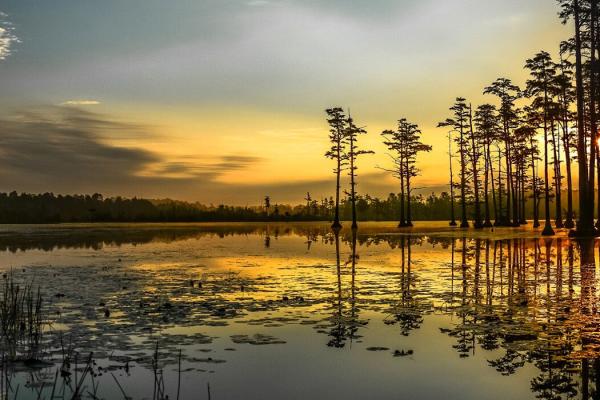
x: 44, y: 208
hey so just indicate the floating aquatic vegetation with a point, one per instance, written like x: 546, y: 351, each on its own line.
x: 256, y: 339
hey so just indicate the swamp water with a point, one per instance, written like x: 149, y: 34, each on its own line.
x: 292, y: 311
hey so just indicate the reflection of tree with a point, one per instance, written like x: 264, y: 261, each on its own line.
x: 465, y: 339
x: 338, y: 331
x: 488, y: 339
x: 509, y: 363
x: 554, y: 381
x: 345, y: 325
x: 408, y: 312
x: 354, y: 322
x: 519, y: 296
x: 267, y: 237
x: 551, y: 356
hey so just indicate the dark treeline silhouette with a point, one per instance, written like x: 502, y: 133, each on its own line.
x: 49, y: 208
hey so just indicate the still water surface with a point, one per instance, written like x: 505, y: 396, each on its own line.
x: 274, y: 311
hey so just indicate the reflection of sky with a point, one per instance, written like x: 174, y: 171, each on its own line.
x: 236, y: 77
x: 160, y: 260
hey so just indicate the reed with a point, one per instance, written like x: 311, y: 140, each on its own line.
x: 21, y: 320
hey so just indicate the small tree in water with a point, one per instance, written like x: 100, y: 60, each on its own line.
x: 486, y: 123
x: 267, y: 205
x: 352, y: 132
x: 337, y: 135
x: 539, y: 88
x: 460, y: 123
x: 507, y: 93
x: 405, y: 144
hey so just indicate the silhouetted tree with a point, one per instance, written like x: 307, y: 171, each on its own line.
x: 566, y: 96
x: 508, y: 93
x: 337, y: 136
x: 539, y: 88
x: 406, y: 144
x: 450, y: 156
x: 267, y: 205
x: 486, y: 123
x: 575, y: 10
x: 351, y: 136
x: 460, y: 123
x: 475, y: 154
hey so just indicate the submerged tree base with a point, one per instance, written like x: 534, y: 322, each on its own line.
x: 548, y: 231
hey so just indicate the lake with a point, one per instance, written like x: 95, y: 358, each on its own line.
x: 292, y: 311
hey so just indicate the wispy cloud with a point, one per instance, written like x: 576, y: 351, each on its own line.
x: 7, y: 37
x: 66, y: 149
x: 257, y: 3
x: 80, y: 103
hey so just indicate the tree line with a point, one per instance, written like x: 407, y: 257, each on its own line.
x: 514, y: 154
x: 524, y: 147
x: 28, y: 208
x: 25, y: 208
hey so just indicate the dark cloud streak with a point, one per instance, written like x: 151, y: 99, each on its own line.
x: 65, y: 149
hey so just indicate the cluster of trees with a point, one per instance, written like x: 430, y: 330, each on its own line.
x: 501, y: 161
x: 343, y: 135
x: 404, y: 145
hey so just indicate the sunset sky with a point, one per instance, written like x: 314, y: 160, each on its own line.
x: 223, y: 100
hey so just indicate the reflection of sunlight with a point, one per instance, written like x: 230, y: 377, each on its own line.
x: 433, y: 298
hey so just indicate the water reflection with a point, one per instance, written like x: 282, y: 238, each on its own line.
x: 520, y: 297
x: 523, y: 307
x: 345, y: 321
x: 407, y: 313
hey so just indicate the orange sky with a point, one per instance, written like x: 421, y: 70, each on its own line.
x: 223, y: 101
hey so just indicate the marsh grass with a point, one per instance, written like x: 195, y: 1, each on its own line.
x: 21, y: 321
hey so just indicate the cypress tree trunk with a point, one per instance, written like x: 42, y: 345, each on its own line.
x: 477, y: 224
x: 548, y: 231
x: 506, y: 217
x: 557, y: 177
x: 402, y: 222
x: 522, y: 218
x: 499, y: 212
x: 463, y: 182
x: 352, y: 183
x: 569, y: 223
x: 536, y: 214
x: 336, y: 219
x: 486, y: 188
x: 408, y: 208
x: 585, y: 221
x: 592, y: 108
x: 452, y: 214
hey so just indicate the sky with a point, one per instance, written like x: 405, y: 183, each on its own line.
x: 222, y: 101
